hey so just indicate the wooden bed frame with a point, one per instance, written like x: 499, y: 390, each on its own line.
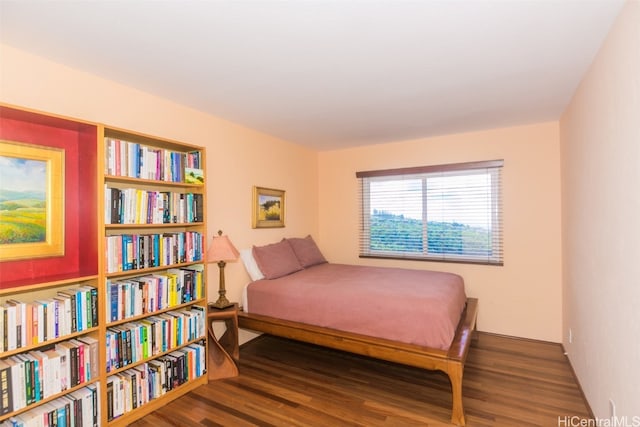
x: 450, y: 361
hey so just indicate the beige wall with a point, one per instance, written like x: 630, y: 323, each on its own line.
x: 237, y: 157
x: 600, y: 140
x: 522, y: 298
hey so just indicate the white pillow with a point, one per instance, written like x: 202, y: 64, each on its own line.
x: 250, y: 265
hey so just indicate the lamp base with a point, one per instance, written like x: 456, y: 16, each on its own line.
x: 222, y: 302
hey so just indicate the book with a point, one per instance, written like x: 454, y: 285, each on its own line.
x: 115, y: 196
x: 28, y: 377
x: 43, y: 382
x: 55, y: 367
x: 35, y: 375
x: 10, y: 327
x: 70, y: 352
x: 93, y: 348
x: 198, y: 207
x: 84, y: 399
x: 143, y: 391
x: 81, y: 348
x: 93, y: 389
x: 74, y: 410
x: 64, y: 315
x: 110, y: 381
x: 18, y: 390
x: 20, y: 322
x: 91, y: 300
x: 60, y: 414
x: 6, y: 386
x: 118, y: 396
x: 70, y: 305
x: 127, y: 386
x: 65, y: 366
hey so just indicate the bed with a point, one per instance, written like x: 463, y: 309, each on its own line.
x: 371, y: 311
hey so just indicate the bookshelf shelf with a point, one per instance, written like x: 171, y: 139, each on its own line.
x: 155, y: 313
x: 70, y: 340
x: 116, y: 371
x: 182, y: 225
x: 48, y: 343
x: 151, y: 182
x: 143, y: 271
x: 44, y: 282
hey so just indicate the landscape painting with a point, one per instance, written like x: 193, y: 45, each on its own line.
x: 31, y: 201
x: 268, y: 207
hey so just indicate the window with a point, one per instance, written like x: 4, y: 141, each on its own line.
x: 448, y: 212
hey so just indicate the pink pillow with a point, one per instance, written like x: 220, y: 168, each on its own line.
x: 276, y: 260
x: 306, y: 251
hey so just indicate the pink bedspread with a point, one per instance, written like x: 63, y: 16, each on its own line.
x: 411, y: 306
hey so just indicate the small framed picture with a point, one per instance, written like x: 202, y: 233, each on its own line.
x: 193, y: 176
x: 268, y: 208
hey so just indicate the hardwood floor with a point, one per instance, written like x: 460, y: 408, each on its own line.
x: 507, y: 382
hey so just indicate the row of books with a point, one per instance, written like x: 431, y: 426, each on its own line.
x: 126, y: 252
x: 24, y: 323
x: 132, y: 342
x: 136, y: 206
x: 134, y: 387
x: 136, y: 160
x: 79, y: 408
x: 30, y: 377
x: 147, y: 294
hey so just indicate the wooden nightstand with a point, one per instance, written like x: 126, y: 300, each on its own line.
x: 225, y: 350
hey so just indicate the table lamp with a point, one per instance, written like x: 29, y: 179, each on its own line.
x: 221, y: 251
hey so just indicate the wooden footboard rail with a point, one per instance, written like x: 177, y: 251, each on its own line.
x: 449, y: 361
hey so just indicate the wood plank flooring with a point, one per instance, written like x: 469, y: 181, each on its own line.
x: 507, y: 382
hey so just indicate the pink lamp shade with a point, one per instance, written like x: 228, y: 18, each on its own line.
x: 222, y: 249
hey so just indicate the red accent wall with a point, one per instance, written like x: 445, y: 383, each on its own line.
x: 79, y: 141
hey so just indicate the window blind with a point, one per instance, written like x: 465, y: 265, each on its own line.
x: 449, y: 212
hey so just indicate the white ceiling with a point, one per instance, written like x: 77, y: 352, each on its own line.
x: 331, y: 73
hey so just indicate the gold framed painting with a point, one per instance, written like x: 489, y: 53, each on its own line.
x: 31, y: 201
x: 268, y: 208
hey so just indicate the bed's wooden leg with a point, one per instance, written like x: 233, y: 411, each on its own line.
x: 475, y: 335
x: 457, y: 411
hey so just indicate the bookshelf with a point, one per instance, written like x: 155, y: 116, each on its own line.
x: 154, y: 271
x: 126, y: 305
